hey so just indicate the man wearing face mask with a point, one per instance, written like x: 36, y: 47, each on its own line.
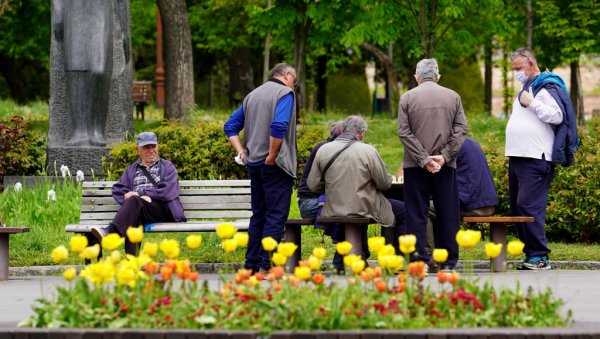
x: 541, y: 132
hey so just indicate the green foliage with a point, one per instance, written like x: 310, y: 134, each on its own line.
x: 348, y: 93
x: 467, y: 81
x: 22, y: 151
x: 200, y: 151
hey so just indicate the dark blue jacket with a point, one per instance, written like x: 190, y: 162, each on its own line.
x: 566, y: 139
x: 476, y: 188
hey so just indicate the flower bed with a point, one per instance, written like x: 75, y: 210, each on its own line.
x: 137, y: 292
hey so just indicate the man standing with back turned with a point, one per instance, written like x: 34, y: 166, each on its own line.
x: 541, y: 132
x: 432, y: 127
x: 268, y: 118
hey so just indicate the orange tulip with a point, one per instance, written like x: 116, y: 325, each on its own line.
x: 318, y: 279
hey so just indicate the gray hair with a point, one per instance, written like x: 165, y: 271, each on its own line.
x: 427, y: 69
x: 354, y: 125
x: 523, y: 53
x: 281, y: 69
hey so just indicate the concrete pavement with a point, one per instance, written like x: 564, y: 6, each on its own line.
x: 580, y: 291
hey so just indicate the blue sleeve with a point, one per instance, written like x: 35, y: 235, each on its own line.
x: 235, y: 123
x: 283, y: 112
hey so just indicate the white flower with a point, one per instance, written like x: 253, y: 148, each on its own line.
x: 65, y: 171
x: 51, y: 195
x: 80, y: 176
x: 18, y: 187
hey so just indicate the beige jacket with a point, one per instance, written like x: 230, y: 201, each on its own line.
x: 354, y: 182
x: 431, y: 121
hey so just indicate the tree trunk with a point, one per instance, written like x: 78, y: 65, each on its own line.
x: 300, y: 39
x: 488, y: 50
x: 529, y: 15
x: 390, y: 94
x: 241, y: 75
x: 576, y: 93
x: 267, y: 52
x: 506, y: 90
x: 321, y: 82
x: 179, y: 66
x: 385, y: 60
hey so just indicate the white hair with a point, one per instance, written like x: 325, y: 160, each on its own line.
x: 427, y: 69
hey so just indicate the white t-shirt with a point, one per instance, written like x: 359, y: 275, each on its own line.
x: 530, y: 130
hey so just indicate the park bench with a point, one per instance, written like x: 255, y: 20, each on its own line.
x: 5, y: 233
x: 141, y: 96
x: 207, y: 203
x: 498, y: 234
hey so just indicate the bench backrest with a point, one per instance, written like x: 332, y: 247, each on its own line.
x: 141, y: 91
x: 203, y: 200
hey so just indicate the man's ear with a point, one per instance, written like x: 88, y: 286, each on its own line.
x: 439, y: 76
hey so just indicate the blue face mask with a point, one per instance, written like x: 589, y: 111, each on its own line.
x: 521, y: 76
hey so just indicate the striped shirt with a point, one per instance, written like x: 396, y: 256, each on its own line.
x: 141, y: 181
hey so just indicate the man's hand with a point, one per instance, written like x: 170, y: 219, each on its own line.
x: 439, y: 159
x: 270, y: 160
x: 147, y: 198
x: 242, y: 157
x: 433, y: 167
x: 526, y: 97
x: 130, y: 194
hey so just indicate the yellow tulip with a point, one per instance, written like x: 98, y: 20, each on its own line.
x: 69, y: 274
x: 229, y: 245
x: 319, y: 252
x: 269, y: 244
x: 350, y: 258
x: 242, y: 239
x: 343, y: 247
x: 302, y: 273
x: 98, y: 273
x: 91, y: 252
x: 193, y: 241
x: 170, y: 248
x: 440, y: 255
x: 314, y: 263
x: 515, y: 247
x: 126, y: 276
x: 395, y: 263
x: 468, y: 238
x: 493, y: 250
x: 135, y: 234
x: 112, y: 241
x: 376, y: 243
x: 287, y: 248
x: 150, y: 249
x: 59, y: 253
x: 279, y: 259
x: 115, y: 257
x: 386, y: 250
x: 78, y: 243
x: 357, y: 266
x: 226, y: 230
x: 407, y: 243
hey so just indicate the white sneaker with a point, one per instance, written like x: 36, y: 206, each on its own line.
x: 100, y: 232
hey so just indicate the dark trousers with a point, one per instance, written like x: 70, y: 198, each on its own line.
x: 136, y: 211
x: 528, y: 184
x: 419, y: 184
x: 271, y: 192
x: 399, y: 211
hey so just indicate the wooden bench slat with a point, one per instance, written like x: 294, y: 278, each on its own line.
x: 206, y: 226
x: 499, y: 219
x: 182, y: 183
x: 234, y: 191
x: 299, y: 222
x: 186, y: 206
x: 346, y: 220
x: 200, y: 214
x: 13, y: 230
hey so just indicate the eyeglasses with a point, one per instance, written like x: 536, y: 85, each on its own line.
x: 513, y: 55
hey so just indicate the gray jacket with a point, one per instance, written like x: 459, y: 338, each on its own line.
x: 259, y: 109
x: 431, y: 121
x: 354, y: 182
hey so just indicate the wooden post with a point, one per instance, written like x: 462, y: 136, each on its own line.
x: 498, y: 236
x: 293, y: 234
x: 160, y: 71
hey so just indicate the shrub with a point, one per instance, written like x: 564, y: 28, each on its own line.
x: 348, y: 92
x: 201, y: 151
x: 22, y: 151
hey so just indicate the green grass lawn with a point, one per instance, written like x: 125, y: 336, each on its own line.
x: 47, y: 218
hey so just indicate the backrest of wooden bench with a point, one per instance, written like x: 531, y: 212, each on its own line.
x: 203, y: 200
x: 141, y: 91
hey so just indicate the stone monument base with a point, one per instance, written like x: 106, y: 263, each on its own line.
x: 86, y: 159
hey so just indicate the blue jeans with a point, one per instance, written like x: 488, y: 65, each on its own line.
x: 308, y: 207
x: 271, y: 192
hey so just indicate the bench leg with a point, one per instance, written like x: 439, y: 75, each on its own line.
x: 293, y: 233
x: 353, y: 235
x: 4, y: 256
x: 498, y: 236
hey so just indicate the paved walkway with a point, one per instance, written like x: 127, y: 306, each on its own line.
x: 580, y: 290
